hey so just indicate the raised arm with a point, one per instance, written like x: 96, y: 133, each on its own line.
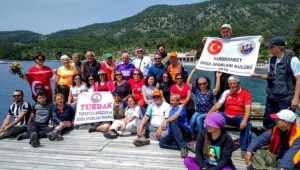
x: 217, y: 88
x: 189, y: 80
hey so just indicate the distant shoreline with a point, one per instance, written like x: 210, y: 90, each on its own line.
x: 265, y: 66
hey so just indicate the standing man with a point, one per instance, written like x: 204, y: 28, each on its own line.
x: 109, y: 66
x: 91, y: 66
x: 77, y: 63
x: 165, y: 57
x: 20, y: 111
x: 141, y: 62
x: 126, y: 67
x: 177, y: 67
x: 283, y: 80
x: 158, y: 68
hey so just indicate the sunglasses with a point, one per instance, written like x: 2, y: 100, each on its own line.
x: 118, y: 74
x: 140, y: 51
x: 40, y: 59
x: 77, y: 79
x: 202, y: 84
x: 179, y: 78
x: 91, y: 79
x: 136, y: 74
x: 157, y: 58
x: 164, y: 77
x: 156, y: 97
x: 17, y: 95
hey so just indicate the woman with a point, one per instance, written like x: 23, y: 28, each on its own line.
x: 213, y: 146
x: 103, y: 84
x: 64, y: 77
x: 204, y: 99
x: 166, y: 85
x: 63, y: 117
x: 136, y: 83
x: 121, y: 85
x: 75, y: 89
x: 148, y: 88
x: 184, y: 92
x: 129, y: 123
x: 91, y: 79
x: 118, y: 112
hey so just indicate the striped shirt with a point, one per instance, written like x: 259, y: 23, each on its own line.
x: 15, y: 111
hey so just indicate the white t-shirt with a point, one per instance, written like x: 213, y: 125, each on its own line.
x: 90, y: 89
x: 134, y: 111
x: 158, y: 114
x: 144, y: 66
x: 76, y: 90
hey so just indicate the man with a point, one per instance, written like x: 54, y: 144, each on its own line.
x: 109, y: 66
x: 158, y: 68
x: 19, y: 110
x: 165, y: 57
x: 126, y: 67
x: 39, y: 120
x: 91, y: 66
x: 178, y: 129
x: 141, y: 62
x: 284, y: 140
x: 283, y: 79
x: 77, y: 63
x: 157, y: 112
x: 176, y: 67
x: 238, y: 103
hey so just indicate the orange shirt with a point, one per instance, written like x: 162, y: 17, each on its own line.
x: 65, y: 76
x: 173, y: 70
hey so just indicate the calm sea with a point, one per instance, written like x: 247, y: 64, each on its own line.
x: 9, y: 83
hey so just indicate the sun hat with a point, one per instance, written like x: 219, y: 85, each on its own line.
x: 284, y: 114
x: 173, y: 54
x: 156, y: 93
x: 276, y: 41
x: 215, y: 120
x: 107, y: 55
x: 226, y: 26
x: 101, y: 72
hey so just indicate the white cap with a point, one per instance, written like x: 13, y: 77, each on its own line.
x: 285, y: 114
x: 225, y: 26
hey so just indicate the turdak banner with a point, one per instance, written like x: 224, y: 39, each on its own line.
x: 235, y: 55
x: 94, y: 107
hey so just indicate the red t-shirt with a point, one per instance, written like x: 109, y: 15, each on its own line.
x: 235, y: 103
x: 182, y: 93
x: 136, y: 88
x: 46, y: 69
x: 101, y: 87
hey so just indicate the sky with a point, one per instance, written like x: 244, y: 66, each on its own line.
x: 48, y: 16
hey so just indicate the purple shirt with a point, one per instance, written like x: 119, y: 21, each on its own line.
x: 123, y: 89
x: 126, y: 70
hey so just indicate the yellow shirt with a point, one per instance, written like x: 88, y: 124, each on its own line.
x: 65, y: 76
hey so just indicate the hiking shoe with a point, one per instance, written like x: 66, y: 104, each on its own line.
x: 34, y: 140
x: 141, y: 141
x: 191, y: 147
x: 243, y: 153
x: 92, y: 129
x: 22, y: 136
x: 184, y: 152
x: 49, y: 136
x: 112, y: 134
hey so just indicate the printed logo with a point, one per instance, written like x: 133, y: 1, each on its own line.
x: 96, y: 98
x: 214, y: 47
x: 245, y: 48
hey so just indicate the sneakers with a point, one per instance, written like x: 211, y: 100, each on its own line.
x: 22, y: 136
x: 92, y: 129
x: 141, y: 141
x: 191, y: 147
x: 34, y: 140
x: 112, y: 134
x: 54, y: 136
x: 243, y: 153
x: 184, y: 152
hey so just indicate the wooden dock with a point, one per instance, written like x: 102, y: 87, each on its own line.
x: 91, y: 151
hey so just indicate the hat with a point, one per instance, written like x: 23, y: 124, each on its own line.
x: 285, y: 114
x: 226, y: 26
x: 279, y: 41
x: 107, y: 55
x: 215, y: 120
x: 173, y: 54
x: 101, y: 72
x: 156, y: 93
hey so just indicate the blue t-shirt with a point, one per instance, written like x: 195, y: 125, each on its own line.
x: 204, y: 102
x: 157, y: 72
x: 182, y: 119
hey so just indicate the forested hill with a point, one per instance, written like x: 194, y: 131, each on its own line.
x: 179, y: 27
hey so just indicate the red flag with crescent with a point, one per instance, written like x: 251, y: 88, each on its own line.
x: 40, y: 82
x: 214, y: 47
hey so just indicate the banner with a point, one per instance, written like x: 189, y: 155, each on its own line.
x: 40, y: 82
x: 235, y: 55
x: 94, y: 107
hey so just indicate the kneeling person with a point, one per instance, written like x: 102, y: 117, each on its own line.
x: 157, y: 112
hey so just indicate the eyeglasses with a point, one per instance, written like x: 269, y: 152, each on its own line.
x: 136, y: 74
x: 77, y: 79
x: 118, y: 74
x: 157, y: 58
x: 156, y: 97
x: 165, y: 77
x: 179, y: 78
x: 140, y: 51
x: 91, y: 79
x: 232, y: 84
x: 202, y: 84
x: 18, y: 95
x: 40, y: 59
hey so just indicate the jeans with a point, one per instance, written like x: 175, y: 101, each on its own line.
x: 191, y: 164
x: 190, y: 110
x: 177, y: 136
x: 197, y: 118
x: 14, y: 131
x: 244, y: 133
x: 40, y: 129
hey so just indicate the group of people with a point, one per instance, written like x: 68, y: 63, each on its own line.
x: 154, y: 100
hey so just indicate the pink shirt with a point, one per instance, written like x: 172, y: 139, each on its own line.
x: 136, y: 88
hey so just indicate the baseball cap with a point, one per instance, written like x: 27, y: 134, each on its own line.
x: 226, y: 26
x: 173, y: 54
x: 107, y: 55
x: 284, y: 114
x: 101, y: 72
x: 279, y: 41
x: 156, y: 93
x: 215, y: 120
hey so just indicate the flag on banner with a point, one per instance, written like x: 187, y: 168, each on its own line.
x: 39, y: 82
x: 235, y: 55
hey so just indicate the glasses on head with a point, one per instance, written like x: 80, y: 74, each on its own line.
x: 40, y: 59
x: 91, y: 79
x: 136, y: 74
x: 157, y: 58
x: 140, y: 51
x: 156, y: 97
x: 77, y: 79
x: 17, y: 95
x: 202, y: 84
x: 179, y: 78
x: 118, y: 74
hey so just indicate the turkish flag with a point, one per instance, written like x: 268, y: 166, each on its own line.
x: 40, y: 82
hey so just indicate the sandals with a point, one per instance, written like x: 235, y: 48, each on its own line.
x: 112, y: 134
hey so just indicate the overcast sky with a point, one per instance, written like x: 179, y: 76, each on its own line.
x: 48, y: 16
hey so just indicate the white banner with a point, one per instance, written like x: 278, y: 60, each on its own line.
x: 235, y: 55
x: 94, y: 107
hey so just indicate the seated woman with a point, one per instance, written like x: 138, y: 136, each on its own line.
x: 76, y: 88
x: 166, y: 85
x: 103, y: 84
x: 213, y: 146
x: 148, y: 89
x: 91, y: 79
x: 133, y: 113
x: 136, y: 83
x: 204, y: 99
x: 63, y: 117
x: 121, y: 85
x: 118, y: 112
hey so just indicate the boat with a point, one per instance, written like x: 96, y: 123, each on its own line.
x: 3, y: 62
